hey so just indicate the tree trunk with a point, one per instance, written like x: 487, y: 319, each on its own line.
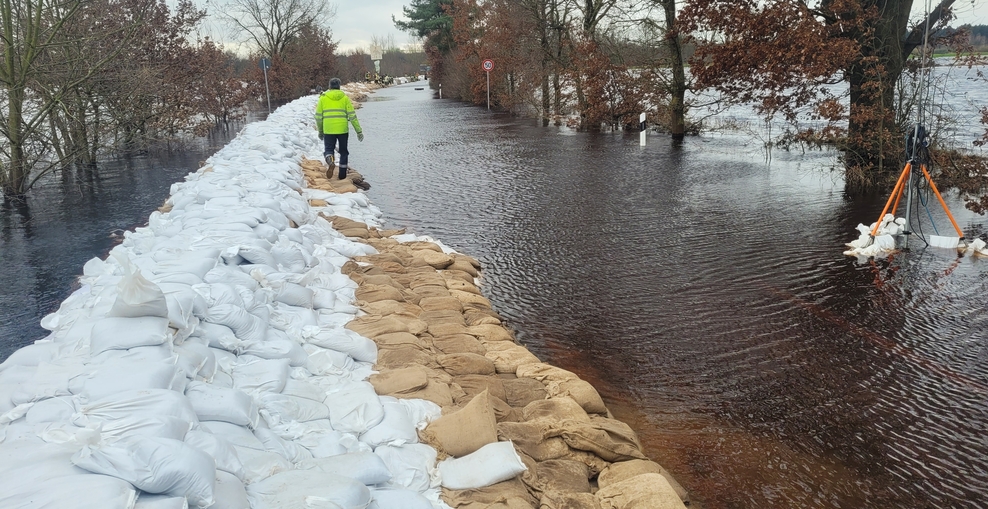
x: 677, y: 92
x: 14, y: 180
x: 873, y: 154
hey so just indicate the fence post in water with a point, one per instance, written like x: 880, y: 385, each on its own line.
x: 641, y: 127
x: 440, y: 90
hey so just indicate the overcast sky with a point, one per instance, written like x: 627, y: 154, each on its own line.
x: 357, y: 21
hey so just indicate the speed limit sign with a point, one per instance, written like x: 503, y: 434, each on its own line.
x: 488, y: 65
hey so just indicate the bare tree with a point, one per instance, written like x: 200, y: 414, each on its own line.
x: 271, y: 25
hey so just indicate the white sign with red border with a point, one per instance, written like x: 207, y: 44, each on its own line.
x: 488, y: 65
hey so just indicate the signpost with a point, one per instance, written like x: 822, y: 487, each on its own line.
x: 641, y: 127
x: 265, y: 65
x: 488, y: 66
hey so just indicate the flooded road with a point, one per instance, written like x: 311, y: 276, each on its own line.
x: 700, y: 288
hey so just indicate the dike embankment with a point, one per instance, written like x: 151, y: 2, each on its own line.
x: 265, y: 343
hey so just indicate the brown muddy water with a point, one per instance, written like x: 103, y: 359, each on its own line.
x: 700, y: 288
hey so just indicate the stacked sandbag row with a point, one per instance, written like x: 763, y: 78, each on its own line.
x: 439, y: 339
x: 205, y: 363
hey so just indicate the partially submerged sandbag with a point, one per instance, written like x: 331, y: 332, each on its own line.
x: 646, y: 491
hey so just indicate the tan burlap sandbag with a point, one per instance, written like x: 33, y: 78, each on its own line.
x: 563, y: 475
x: 400, y: 381
x: 617, y: 472
x: 470, y: 299
x: 447, y: 329
x: 403, y: 356
x: 488, y: 333
x: 340, y: 222
x: 457, y: 274
x: 435, y: 391
x: 457, y: 364
x: 374, y: 293
x: 466, y: 430
x: 646, y: 491
x: 504, y: 412
x: 463, y: 286
x: 529, y: 438
x: 460, y: 343
x: 610, y: 439
x: 411, y: 322
x: 555, y: 500
x: 442, y: 316
x: 475, y: 384
x: 377, y: 279
x: 417, y: 245
x: 459, y: 264
x: 440, y: 303
x: 411, y: 296
x: 402, y: 339
x: 433, y: 259
x: 508, y: 356
x: 433, y: 291
x: 477, y: 317
x: 555, y: 410
x: 373, y: 326
x: 519, y: 392
x: 383, y: 307
x: 510, y: 494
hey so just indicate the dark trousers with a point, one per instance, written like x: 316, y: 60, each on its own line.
x: 329, y: 141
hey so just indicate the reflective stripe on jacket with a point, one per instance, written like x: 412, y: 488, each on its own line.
x: 333, y: 111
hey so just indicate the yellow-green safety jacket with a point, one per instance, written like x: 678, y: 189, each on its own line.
x: 333, y: 111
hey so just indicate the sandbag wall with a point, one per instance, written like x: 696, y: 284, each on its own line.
x: 439, y: 339
x: 205, y: 363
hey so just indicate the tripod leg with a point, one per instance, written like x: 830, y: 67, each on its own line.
x: 899, y: 186
x: 942, y: 203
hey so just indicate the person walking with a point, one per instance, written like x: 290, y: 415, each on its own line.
x: 334, y: 113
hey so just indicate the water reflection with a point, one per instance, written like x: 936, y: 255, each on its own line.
x: 703, y: 291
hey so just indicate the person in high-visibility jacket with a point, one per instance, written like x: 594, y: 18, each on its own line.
x: 334, y: 113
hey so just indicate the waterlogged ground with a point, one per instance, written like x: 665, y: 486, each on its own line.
x: 701, y: 288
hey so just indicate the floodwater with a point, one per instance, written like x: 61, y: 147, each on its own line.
x: 701, y: 288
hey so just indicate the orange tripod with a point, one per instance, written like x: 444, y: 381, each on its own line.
x: 899, y: 190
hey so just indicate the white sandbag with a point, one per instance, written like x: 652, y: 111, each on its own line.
x: 149, y: 501
x: 121, y: 333
x: 276, y: 348
x: 342, y: 340
x: 196, y: 355
x: 229, y: 492
x: 323, y: 361
x: 245, y: 325
x: 31, y: 355
x: 136, y: 296
x: 58, y: 409
x: 229, y: 275
x: 396, y: 428
x: 148, y: 402
x: 321, y: 442
x: 218, y: 448
x: 141, y: 425
x: 302, y: 489
x: 413, y: 466
x: 261, y: 375
x: 355, y: 406
x: 260, y: 464
x: 125, y: 375
x: 421, y: 411
x: 237, y: 435
x: 488, y: 465
x: 323, y: 299
x: 365, y: 467
x: 183, y: 305
x: 218, y: 336
x: 304, y: 389
x: 213, y: 403
x: 44, y: 381
x: 288, y: 449
x: 267, y: 232
x: 292, y: 294
x: 155, y: 465
x: 79, y: 491
x: 253, y: 254
x: 398, y: 499
x: 287, y: 256
x: 278, y: 408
